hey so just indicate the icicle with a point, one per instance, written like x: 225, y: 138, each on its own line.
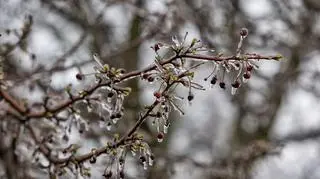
x: 115, y: 120
x: 165, y: 128
x: 77, y: 116
x: 176, y: 108
x: 233, y: 90
x: 150, y: 161
x: 145, y: 165
x: 175, y: 41
x: 109, y: 125
x: 133, y: 153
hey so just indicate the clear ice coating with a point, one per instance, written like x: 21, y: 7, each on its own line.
x: 165, y: 128
x: 145, y: 165
x: 150, y: 161
x: 109, y: 126
x: 233, y: 90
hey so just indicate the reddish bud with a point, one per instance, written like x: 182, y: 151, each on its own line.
x: 157, y: 94
x: 247, y: 75
x: 249, y: 68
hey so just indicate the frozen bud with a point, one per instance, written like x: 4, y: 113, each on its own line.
x: 108, y: 174
x: 157, y: 94
x: 249, y: 68
x: 121, y: 161
x: 246, y: 76
x: 93, y: 160
x: 190, y: 96
x: 109, y: 126
x: 121, y: 174
x: 151, y: 159
x: 150, y: 79
x: 213, y: 80
x: 165, y: 128
x: 160, y: 137
x: 244, y: 32
x: 235, y: 86
x: 145, y: 165
x: 222, y: 85
x: 157, y: 46
x: 118, y: 115
x: 79, y: 76
x: 110, y: 95
x: 33, y: 56
x: 143, y: 158
x: 158, y: 114
x: 145, y: 76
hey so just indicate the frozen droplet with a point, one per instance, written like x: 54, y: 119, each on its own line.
x: 233, y: 90
x: 77, y: 116
x: 165, y: 128
x: 150, y: 161
x: 89, y: 108
x: 175, y: 41
x: 109, y: 99
x: 133, y: 153
x: 245, y: 80
x: 109, y: 126
x: 160, y: 139
x: 145, y: 165
x: 176, y: 108
x: 115, y: 120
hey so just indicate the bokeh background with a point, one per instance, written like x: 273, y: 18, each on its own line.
x: 280, y: 103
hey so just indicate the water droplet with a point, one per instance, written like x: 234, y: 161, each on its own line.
x: 109, y: 126
x: 160, y: 140
x: 233, y: 90
x: 133, y: 153
x: 89, y: 108
x: 150, y: 161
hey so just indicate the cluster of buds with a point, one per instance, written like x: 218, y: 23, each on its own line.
x: 103, y: 72
x: 243, y: 69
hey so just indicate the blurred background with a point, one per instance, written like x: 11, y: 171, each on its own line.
x: 280, y: 104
